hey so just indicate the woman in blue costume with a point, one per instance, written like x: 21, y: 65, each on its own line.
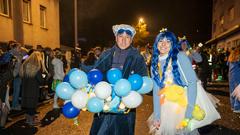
x: 187, y: 49
x: 172, y: 103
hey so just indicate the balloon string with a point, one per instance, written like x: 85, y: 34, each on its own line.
x: 128, y: 110
x: 84, y: 89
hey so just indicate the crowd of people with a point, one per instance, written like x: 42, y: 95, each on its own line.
x: 21, y: 66
x: 169, y: 61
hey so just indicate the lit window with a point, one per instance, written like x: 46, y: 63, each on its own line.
x: 27, y: 11
x: 43, y: 17
x: 4, y: 7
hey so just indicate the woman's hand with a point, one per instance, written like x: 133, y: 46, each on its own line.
x: 156, y: 124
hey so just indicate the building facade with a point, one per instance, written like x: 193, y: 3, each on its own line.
x: 30, y: 22
x: 225, y: 24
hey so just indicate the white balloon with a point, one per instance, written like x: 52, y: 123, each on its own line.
x: 132, y: 100
x: 103, y: 90
x: 79, y: 99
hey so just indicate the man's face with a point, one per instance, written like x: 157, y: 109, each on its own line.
x: 123, y: 40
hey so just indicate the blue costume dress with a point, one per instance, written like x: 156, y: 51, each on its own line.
x: 169, y: 113
x: 234, y: 81
x: 115, y: 123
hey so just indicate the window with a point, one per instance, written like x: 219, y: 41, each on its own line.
x: 43, y: 17
x: 4, y: 7
x: 231, y: 13
x: 27, y: 11
x: 222, y: 20
x: 214, y: 26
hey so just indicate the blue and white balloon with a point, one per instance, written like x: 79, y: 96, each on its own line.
x: 78, y: 79
x: 79, y: 99
x: 132, y: 100
x: 69, y: 111
x: 94, y: 76
x: 136, y: 81
x: 103, y: 90
x: 113, y: 75
x: 95, y: 105
x: 64, y: 90
x: 122, y: 87
x: 147, y: 85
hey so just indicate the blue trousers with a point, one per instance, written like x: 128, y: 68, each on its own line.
x: 113, y: 124
x: 16, y: 91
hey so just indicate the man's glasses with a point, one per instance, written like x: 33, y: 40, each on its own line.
x: 121, y: 31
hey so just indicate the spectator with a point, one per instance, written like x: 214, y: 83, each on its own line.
x: 32, y: 77
x: 58, y: 74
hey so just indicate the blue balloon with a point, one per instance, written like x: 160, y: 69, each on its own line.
x: 95, y: 105
x: 66, y: 77
x: 113, y: 75
x: 74, y: 69
x: 95, y: 76
x: 136, y: 81
x: 78, y: 79
x: 122, y: 87
x: 69, y: 111
x: 64, y: 90
x: 147, y: 85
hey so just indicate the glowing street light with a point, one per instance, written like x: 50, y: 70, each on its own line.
x: 141, y: 20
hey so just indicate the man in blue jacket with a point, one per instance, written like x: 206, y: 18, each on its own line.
x: 126, y: 58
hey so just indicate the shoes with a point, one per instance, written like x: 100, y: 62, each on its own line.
x: 9, y: 119
x: 55, y: 106
x: 236, y: 111
x: 28, y: 119
x: 33, y: 121
x: 18, y: 108
x: 47, y: 97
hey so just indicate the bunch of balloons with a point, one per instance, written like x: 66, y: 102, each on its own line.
x: 90, y: 92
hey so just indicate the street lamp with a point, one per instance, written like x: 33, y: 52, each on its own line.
x: 141, y: 20
x: 75, y: 25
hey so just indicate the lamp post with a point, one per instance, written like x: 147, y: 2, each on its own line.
x: 75, y: 25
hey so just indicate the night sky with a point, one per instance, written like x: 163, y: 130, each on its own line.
x: 96, y: 17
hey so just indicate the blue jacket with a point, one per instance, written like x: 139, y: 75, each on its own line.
x: 134, y: 63
x: 191, y: 87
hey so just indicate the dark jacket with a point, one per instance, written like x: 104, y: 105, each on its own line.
x: 118, y: 124
x: 134, y: 63
x: 5, y: 77
x: 30, y: 90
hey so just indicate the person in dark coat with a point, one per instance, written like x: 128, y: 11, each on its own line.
x: 48, y: 57
x: 128, y: 59
x: 32, y: 77
x: 204, y: 70
x: 6, y: 76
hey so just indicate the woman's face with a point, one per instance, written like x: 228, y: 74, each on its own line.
x: 164, y: 46
x: 184, y: 46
